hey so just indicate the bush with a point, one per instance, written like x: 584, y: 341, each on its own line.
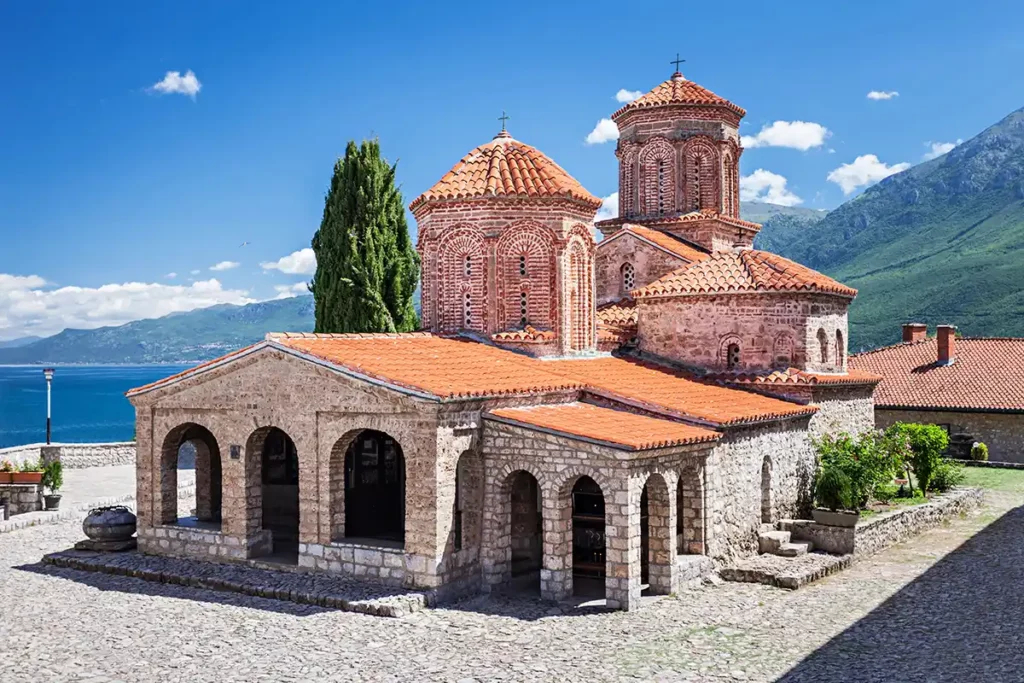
x: 870, y: 461
x: 979, y: 451
x: 946, y: 475
x: 53, y: 476
x: 884, y: 493
x: 927, y: 444
x: 32, y: 466
x: 834, y: 489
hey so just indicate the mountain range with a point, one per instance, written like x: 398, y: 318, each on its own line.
x: 942, y: 242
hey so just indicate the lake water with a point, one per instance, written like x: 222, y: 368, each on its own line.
x: 88, y: 402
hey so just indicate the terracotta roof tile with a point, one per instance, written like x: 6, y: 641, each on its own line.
x: 987, y: 374
x: 614, y: 427
x: 661, y: 388
x: 505, y: 167
x: 675, y: 91
x: 745, y: 270
x: 690, y: 217
x: 665, y: 241
x: 795, y: 376
x: 617, y: 321
x: 528, y: 334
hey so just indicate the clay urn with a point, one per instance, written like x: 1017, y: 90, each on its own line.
x: 113, y: 523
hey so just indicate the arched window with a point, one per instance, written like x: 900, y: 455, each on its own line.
x: 628, y: 278
x: 524, y: 308
x: 732, y: 356
x: 823, y: 345
x: 661, y: 186
x: 467, y: 307
x: 695, y: 200
x: 522, y: 265
x: 840, y: 349
x: 468, y: 267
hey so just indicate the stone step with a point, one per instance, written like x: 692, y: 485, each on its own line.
x: 765, y: 528
x: 770, y: 541
x: 794, y: 549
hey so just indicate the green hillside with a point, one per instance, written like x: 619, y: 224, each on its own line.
x: 180, y: 337
x: 942, y: 242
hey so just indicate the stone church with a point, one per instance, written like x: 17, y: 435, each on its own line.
x: 577, y: 417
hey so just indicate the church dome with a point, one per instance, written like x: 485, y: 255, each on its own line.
x: 678, y: 91
x: 505, y: 167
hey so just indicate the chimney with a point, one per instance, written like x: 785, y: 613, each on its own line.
x: 947, y: 344
x: 915, y: 332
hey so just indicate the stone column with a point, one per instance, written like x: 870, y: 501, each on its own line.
x: 556, y: 564
x: 496, y: 545
x: 661, y: 519
x: 144, y: 470
x: 622, y: 543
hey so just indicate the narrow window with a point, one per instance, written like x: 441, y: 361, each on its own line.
x: 661, y: 186
x: 732, y: 356
x: 522, y: 265
x: 628, y: 278
x: 469, y: 266
x: 467, y: 309
x: 696, y: 184
x: 840, y: 349
x: 457, y: 510
x: 823, y: 345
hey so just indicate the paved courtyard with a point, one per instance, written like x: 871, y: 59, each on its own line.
x: 946, y: 606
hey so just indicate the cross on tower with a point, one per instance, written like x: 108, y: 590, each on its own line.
x: 503, y: 118
x: 677, y: 62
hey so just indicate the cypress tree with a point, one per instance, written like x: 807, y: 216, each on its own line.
x: 366, y: 266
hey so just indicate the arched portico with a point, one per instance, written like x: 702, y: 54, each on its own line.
x: 367, y: 488
x: 191, y: 445
x: 657, y: 534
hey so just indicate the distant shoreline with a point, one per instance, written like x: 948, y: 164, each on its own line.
x: 106, y: 365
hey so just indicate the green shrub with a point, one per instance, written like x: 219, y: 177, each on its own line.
x: 31, y: 466
x: 979, y: 451
x: 870, y: 460
x: 53, y: 476
x: 927, y: 444
x: 834, y: 489
x: 884, y: 493
x: 946, y: 475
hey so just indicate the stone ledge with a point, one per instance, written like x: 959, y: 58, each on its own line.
x: 310, y: 589
x: 785, y: 572
x: 993, y: 464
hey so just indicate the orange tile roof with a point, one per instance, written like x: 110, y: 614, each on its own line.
x: 505, y: 167
x: 677, y: 90
x: 528, y: 334
x: 987, y: 375
x: 690, y: 217
x: 745, y: 270
x: 617, y: 321
x: 660, y: 388
x: 617, y: 428
x: 668, y: 242
x: 796, y: 376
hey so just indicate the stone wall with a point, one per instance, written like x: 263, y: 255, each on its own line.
x: 368, y: 562
x: 75, y: 455
x: 199, y: 544
x: 21, y: 498
x: 1003, y: 433
x: 649, y: 263
x: 771, y: 330
x: 774, y: 459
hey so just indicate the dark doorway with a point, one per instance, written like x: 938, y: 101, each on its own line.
x: 280, y: 464
x: 375, y: 488
x: 527, y: 537
x: 588, y: 539
x: 645, y: 538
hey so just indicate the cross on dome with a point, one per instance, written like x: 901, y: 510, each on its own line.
x: 677, y: 61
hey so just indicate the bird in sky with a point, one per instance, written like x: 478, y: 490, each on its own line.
x: 242, y: 244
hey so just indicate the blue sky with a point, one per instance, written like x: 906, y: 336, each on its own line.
x: 107, y: 185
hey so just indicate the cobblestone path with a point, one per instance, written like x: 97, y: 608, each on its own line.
x: 946, y: 606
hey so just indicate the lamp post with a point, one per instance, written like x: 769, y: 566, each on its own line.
x: 48, y: 374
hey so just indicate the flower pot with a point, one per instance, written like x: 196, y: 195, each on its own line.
x: 26, y: 477
x: 116, y: 523
x: 52, y: 501
x: 5, y: 477
x: 839, y: 518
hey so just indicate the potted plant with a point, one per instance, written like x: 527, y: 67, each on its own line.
x: 53, y: 480
x: 834, y: 491
x: 6, y: 469
x: 31, y: 472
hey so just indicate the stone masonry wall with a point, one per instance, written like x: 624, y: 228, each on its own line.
x: 771, y: 330
x: 649, y: 264
x: 1002, y: 433
x: 736, y: 499
x: 76, y: 455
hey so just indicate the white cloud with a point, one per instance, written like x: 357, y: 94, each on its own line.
x: 627, y: 95
x: 865, y: 170
x: 937, y: 149
x: 288, y: 291
x: 175, y: 83
x: 604, y: 131
x: 171, y: 276
x: 225, y: 265
x: 801, y: 135
x: 882, y: 94
x: 194, y: 272
x: 28, y: 307
x: 609, y: 207
x: 301, y: 262
x: 765, y: 186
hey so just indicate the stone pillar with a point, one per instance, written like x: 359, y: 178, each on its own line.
x: 496, y: 550
x: 203, y: 465
x: 556, y: 564
x: 622, y: 544
x: 661, y: 519
x: 690, y: 507
x: 144, y: 471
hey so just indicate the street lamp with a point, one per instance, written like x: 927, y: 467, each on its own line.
x: 48, y: 374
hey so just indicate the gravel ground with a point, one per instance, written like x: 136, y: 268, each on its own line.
x: 945, y: 606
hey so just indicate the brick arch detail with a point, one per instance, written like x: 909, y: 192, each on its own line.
x: 628, y: 164
x: 724, y: 342
x: 784, y: 346
x: 453, y: 248
x: 537, y: 243
x: 701, y: 160
x: 655, y: 150
x: 579, y: 285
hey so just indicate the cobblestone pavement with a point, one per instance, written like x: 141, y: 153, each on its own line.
x: 946, y: 606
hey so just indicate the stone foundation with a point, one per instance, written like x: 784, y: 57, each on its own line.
x: 74, y: 455
x: 368, y: 562
x: 22, y: 498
